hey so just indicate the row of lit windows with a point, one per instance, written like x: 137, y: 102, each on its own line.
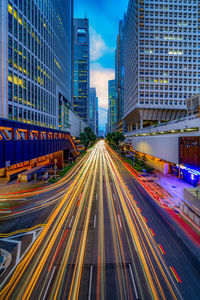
x: 169, y: 22
x: 181, y: 15
x: 169, y: 6
x: 171, y: 94
x: 160, y: 102
x: 27, y: 116
x: 177, y: 61
x: 160, y: 14
x: 149, y: 36
x: 177, y: 83
x: 161, y: 42
x: 40, y: 44
x: 20, y: 59
x: 165, y: 58
x: 23, y: 91
x: 166, y: 80
x: 20, y: 23
x: 27, y: 7
x: 166, y: 45
x: 173, y: 78
x: 183, y: 30
x: 176, y: 67
x: 33, y: 42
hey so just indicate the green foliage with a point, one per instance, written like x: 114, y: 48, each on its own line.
x: 115, y: 138
x: 84, y: 139
x: 88, y: 137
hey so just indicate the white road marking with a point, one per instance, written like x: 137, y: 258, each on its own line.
x: 50, y: 279
x: 10, y: 240
x: 34, y: 236
x: 134, y: 285
x: 90, y: 283
x: 71, y: 221
x: 114, y: 198
x: 18, y: 248
x: 95, y: 221
x: 120, y: 224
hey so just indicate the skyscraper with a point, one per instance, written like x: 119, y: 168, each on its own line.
x: 93, y: 110
x: 97, y: 116
x: 81, y: 68
x: 35, y: 60
x: 119, y: 76
x: 160, y: 60
x: 111, y: 105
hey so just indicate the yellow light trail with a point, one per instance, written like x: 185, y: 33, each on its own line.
x: 126, y: 222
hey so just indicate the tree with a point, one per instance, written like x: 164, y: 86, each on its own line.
x: 118, y: 137
x: 84, y: 139
x: 88, y: 132
x: 114, y: 138
x: 87, y: 137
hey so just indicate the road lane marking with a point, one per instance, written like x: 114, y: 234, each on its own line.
x: 95, y: 221
x: 120, y: 223
x: 25, y: 230
x: 49, y: 282
x: 90, y: 283
x: 71, y: 221
x: 134, y: 285
x: 175, y: 274
x: 96, y: 196
x: 114, y: 198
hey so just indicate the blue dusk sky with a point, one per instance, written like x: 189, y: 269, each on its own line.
x: 104, y: 17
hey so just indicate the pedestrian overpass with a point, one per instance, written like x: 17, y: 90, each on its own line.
x: 22, y: 144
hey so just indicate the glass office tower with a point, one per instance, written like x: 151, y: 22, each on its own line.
x: 81, y: 68
x: 93, y: 110
x: 35, y: 48
x: 161, y: 58
x: 112, y: 116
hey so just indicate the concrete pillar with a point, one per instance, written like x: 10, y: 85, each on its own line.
x: 141, y: 123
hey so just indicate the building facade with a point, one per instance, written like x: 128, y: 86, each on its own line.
x: 160, y: 60
x: 35, y: 61
x: 81, y: 68
x: 112, y: 117
x: 93, y: 110
x: 119, y: 76
x: 97, y: 116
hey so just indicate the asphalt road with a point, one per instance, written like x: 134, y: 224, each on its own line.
x: 97, y: 234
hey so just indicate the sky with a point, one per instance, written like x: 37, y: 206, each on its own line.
x: 104, y: 17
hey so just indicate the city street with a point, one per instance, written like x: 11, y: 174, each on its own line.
x: 96, y: 234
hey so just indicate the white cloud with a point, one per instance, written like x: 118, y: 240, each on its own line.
x: 98, y: 46
x: 99, y: 77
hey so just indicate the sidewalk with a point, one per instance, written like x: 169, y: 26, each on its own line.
x: 174, y: 186
x: 14, y: 187
x: 171, y: 190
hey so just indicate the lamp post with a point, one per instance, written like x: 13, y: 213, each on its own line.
x: 55, y: 166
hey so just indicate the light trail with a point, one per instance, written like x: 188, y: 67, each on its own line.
x: 94, y: 199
